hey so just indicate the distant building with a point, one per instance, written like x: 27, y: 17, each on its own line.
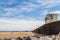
x: 51, y: 18
x: 51, y: 26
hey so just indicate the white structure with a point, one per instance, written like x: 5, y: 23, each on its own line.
x: 51, y: 18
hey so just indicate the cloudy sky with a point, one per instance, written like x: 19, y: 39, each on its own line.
x: 23, y: 15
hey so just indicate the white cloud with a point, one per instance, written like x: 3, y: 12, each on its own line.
x: 19, y: 25
x: 28, y: 6
x: 55, y: 12
x: 45, y: 12
x: 51, y: 12
x: 48, y: 3
x: 24, y: 7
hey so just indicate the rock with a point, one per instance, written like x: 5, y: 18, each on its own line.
x: 58, y: 37
x: 45, y: 38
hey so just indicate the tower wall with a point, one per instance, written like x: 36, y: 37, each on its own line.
x: 51, y: 18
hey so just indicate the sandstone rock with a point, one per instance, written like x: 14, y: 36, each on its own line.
x: 45, y: 38
x: 58, y: 37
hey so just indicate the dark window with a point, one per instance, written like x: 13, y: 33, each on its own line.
x: 49, y: 17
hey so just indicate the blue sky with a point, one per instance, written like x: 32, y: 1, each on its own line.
x: 17, y: 13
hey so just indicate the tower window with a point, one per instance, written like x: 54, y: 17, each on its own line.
x: 49, y: 17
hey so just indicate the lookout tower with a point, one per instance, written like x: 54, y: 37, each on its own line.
x: 51, y: 18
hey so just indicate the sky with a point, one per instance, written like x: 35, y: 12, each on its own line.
x: 26, y: 15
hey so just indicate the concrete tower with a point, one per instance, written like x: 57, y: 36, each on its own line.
x: 51, y: 18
